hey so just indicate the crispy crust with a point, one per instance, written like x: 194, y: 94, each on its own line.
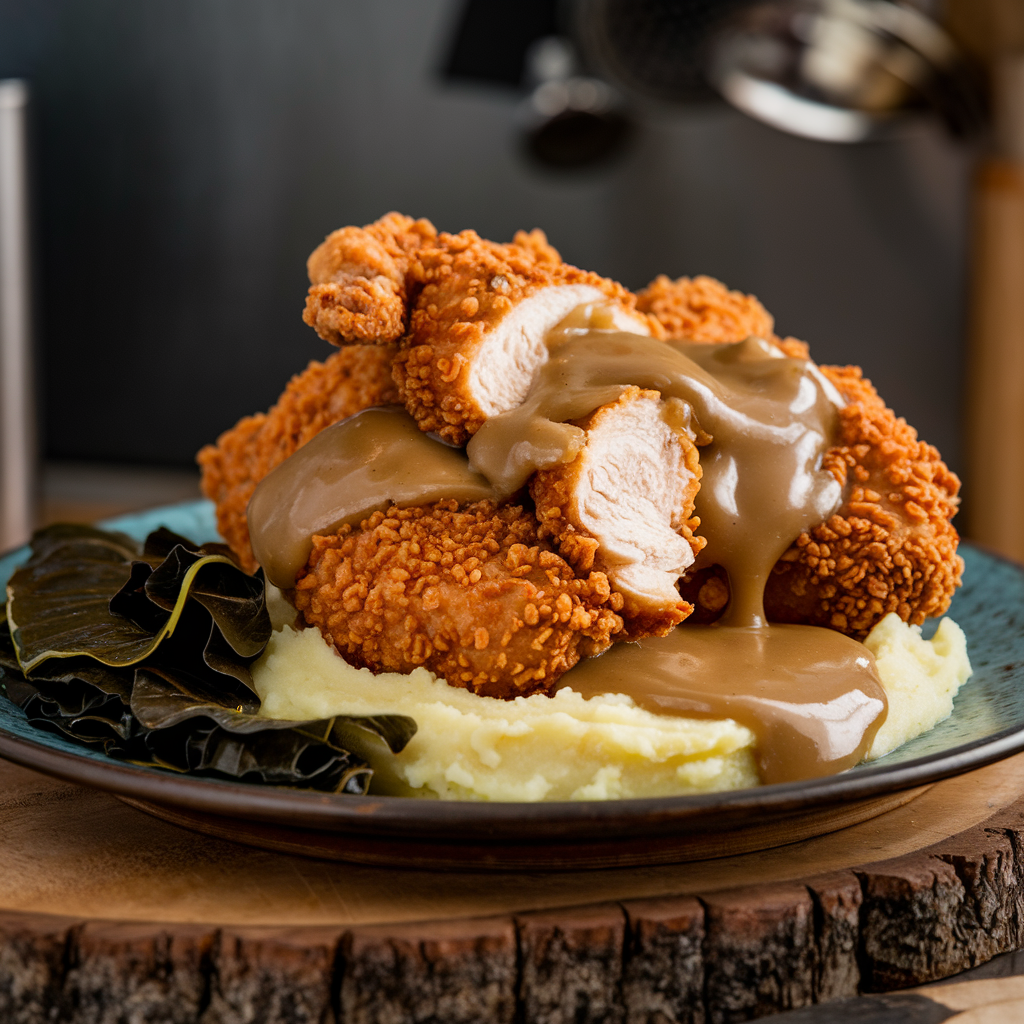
x: 793, y: 348
x: 352, y: 379
x: 891, y: 547
x: 470, y: 593
x: 554, y: 492
x: 703, y: 309
x: 469, y: 286
x: 360, y: 280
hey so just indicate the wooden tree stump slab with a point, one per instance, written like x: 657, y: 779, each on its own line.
x: 109, y: 915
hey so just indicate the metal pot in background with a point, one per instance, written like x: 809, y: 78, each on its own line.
x: 832, y: 70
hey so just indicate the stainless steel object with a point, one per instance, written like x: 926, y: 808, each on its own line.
x: 834, y: 70
x: 18, y: 459
x: 840, y: 70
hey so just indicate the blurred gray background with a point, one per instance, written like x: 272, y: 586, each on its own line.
x: 190, y: 153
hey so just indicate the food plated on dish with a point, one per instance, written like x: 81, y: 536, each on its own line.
x: 595, y: 544
x: 527, y: 536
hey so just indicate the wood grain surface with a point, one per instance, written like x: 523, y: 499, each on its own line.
x: 109, y: 915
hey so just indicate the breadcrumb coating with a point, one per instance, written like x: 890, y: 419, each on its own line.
x: 471, y: 593
x: 359, y: 277
x: 348, y: 381
x: 566, y: 504
x: 703, y: 309
x: 469, y: 286
x: 891, y: 547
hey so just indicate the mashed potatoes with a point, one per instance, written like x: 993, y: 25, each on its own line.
x: 568, y: 748
x: 921, y: 678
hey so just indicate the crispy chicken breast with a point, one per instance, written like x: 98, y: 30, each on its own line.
x: 345, y: 383
x: 455, y: 327
x: 477, y: 331
x: 891, y: 547
x: 624, y: 506
x: 471, y: 593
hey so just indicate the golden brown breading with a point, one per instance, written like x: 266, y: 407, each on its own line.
x: 470, y: 287
x: 891, y: 547
x: 624, y: 506
x: 359, y: 277
x: 703, y: 309
x: 537, y: 242
x: 346, y: 382
x: 470, y: 593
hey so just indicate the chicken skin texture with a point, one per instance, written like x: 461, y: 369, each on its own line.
x: 386, y: 266
x: 702, y: 309
x: 347, y: 382
x: 891, y: 546
x: 477, y: 329
x: 361, y: 280
x: 454, y: 326
x: 470, y: 593
x: 624, y: 506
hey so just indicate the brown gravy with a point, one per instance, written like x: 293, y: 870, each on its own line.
x: 764, y: 420
x: 345, y: 473
x: 810, y: 695
x: 770, y: 417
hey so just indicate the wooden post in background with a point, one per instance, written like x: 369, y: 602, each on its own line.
x: 993, y: 31
x: 995, y: 406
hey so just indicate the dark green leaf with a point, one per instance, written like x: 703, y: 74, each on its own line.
x: 145, y: 654
x: 59, y: 602
x: 62, y: 595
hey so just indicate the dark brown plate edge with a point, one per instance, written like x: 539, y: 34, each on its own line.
x: 409, y: 817
x: 412, y: 817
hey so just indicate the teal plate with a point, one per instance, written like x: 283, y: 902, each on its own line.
x: 987, y: 724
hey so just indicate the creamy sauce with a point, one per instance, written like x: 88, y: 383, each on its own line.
x: 365, y: 463
x: 770, y: 418
x: 764, y: 421
x: 810, y: 695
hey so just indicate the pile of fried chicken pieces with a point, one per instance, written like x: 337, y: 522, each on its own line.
x: 503, y: 598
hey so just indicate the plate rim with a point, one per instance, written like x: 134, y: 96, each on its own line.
x: 401, y: 816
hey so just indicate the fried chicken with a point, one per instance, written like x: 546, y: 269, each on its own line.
x: 613, y: 528
x: 348, y: 381
x: 361, y: 279
x: 891, y: 546
x: 702, y: 309
x: 624, y: 505
x: 477, y: 330
x: 364, y: 280
x: 473, y: 594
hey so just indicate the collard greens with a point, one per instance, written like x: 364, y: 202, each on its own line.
x: 143, y: 651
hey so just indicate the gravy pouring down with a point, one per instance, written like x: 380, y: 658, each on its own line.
x: 763, y: 420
